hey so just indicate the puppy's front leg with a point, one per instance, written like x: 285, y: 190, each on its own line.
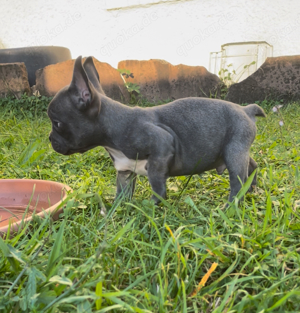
x: 125, y: 184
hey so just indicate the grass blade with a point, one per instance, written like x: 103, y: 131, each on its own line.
x: 56, y: 251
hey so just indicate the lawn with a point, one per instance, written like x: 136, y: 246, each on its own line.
x: 188, y: 255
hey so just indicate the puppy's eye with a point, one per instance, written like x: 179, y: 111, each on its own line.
x: 57, y: 124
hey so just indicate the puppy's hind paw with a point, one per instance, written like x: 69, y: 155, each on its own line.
x: 252, y: 188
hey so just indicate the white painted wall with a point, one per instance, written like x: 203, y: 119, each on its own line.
x: 183, y: 31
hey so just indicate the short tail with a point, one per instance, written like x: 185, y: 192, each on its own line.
x: 253, y: 110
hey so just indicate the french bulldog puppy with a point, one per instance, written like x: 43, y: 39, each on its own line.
x: 185, y: 137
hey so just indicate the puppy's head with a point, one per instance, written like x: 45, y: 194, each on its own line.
x: 75, y: 109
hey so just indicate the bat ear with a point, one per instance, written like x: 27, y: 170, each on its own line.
x: 92, y: 73
x: 80, y: 84
x: 83, y: 89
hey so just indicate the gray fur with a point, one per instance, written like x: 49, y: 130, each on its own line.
x: 187, y: 136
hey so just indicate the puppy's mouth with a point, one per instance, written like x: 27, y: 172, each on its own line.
x: 80, y: 150
x: 58, y: 147
x: 65, y: 150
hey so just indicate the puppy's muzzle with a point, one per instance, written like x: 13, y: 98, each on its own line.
x: 56, y: 145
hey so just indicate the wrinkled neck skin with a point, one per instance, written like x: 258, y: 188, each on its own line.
x: 111, y: 121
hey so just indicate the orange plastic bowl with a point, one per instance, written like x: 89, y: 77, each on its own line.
x: 15, y: 195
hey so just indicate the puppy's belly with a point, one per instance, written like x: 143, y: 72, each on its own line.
x: 122, y: 163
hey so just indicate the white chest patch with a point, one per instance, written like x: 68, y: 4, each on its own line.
x: 122, y: 163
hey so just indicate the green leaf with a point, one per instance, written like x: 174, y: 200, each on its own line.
x: 56, y: 250
x: 184, y: 309
x: 122, y: 231
x: 38, y: 274
x: 37, y: 156
x: 76, y: 299
x: 46, y: 297
x: 227, y: 295
x: 7, y: 253
x: 98, y: 293
x: 4, y: 247
x: 84, y: 306
x: 31, y: 288
x: 25, y: 156
x: 16, y: 254
x: 268, y: 214
x: 61, y: 280
x: 246, y: 186
x: 294, y: 226
x: 225, y: 218
x: 281, y: 301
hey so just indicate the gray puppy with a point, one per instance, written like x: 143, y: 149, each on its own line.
x: 185, y: 137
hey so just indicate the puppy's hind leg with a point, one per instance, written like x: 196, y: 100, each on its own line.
x: 220, y: 169
x: 251, y: 168
x: 237, y: 165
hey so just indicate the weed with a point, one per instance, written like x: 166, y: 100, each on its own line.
x: 25, y: 107
x: 132, y: 88
x: 230, y: 77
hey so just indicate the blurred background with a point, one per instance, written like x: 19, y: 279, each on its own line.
x: 185, y: 31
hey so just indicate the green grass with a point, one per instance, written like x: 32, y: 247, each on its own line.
x: 142, y: 258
